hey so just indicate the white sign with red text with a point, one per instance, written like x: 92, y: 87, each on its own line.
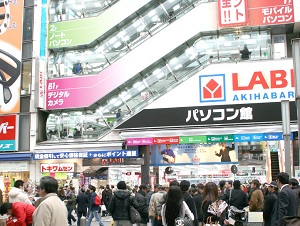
x: 231, y: 83
x: 232, y: 12
x: 55, y: 167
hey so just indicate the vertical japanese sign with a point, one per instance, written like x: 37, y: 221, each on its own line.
x: 11, y: 24
x: 8, y: 133
x: 232, y: 13
x: 271, y: 12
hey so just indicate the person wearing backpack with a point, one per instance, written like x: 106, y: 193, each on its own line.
x: 120, y: 205
x: 269, y: 203
x: 94, y: 209
x: 155, y: 205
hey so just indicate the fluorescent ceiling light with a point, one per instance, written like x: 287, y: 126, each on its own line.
x: 245, y: 36
x: 155, y: 18
x: 117, y: 44
x: 152, y: 12
x: 160, y: 75
x: 178, y: 66
x: 112, y: 101
x: 136, y: 23
x: 118, y: 103
x: 121, y: 34
x: 140, y: 28
x: 173, y: 61
x: 156, y: 71
x: 176, y: 7
x: 112, y: 40
x: 227, y: 44
x: 126, y: 38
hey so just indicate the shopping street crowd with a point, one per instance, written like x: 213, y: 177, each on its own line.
x: 169, y: 204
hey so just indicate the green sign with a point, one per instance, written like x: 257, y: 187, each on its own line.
x: 220, y: 138
x: 192, y: 139
x: 85, y: 31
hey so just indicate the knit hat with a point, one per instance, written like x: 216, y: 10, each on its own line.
x: 121, y: 185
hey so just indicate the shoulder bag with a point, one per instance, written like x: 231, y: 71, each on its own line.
x: 134, y: 214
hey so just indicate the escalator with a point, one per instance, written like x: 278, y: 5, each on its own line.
x: 117, y: 74
x: 84, y: 31
x: 274, y: 165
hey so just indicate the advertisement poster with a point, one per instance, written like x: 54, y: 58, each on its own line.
x: 193, y: 154
x: 10, y: 55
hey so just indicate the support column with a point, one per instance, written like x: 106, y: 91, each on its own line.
x: 156, y: 174
x: 296, y: 60
x: 145, y: 169
x: 285, y: 114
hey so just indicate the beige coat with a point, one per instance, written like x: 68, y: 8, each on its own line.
x: 51, y: 212
x: 256, y: 202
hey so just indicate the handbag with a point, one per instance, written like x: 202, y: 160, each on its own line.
x: 235, y: 213
x: 135, y: 216
x: 291, y: 221
x: 210, y: 223
x: 183, y: 221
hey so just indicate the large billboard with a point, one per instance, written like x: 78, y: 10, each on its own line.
x: 193, y: 154
x: 11, y: 24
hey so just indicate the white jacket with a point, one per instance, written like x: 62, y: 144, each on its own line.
x: 18, y: 195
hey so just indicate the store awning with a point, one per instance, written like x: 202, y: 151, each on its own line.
x: 15, y: 157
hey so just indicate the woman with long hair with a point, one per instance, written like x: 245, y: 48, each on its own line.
x: 175, y: 207
x: 210, y: 195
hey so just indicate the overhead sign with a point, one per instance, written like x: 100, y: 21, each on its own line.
x: 276, y: 136
x: 166, y: 140
x: 139, y: 141
x: 8, y: 133
x: 209, y: 115
x: 193, y: 139
x: 220, y: 138
x: 248, y: 137
x: 88, y: 154
x: 232, y: 13
x: 56, y: 167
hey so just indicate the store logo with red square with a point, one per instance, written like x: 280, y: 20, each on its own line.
x: 212, y: 88
x: 8, y: 127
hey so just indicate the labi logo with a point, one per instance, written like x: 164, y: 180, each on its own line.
x: 212, y: 88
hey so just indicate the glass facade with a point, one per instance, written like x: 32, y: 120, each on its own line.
x: 156, y: 80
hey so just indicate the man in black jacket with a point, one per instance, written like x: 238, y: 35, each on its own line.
x: 236, y: 197
x: 184, y: 186
x: 140, y: 197
x: 198, y: 201
x: 294, y: 184
x: 286, y: 204
x: 269, y: 203
x: 83, y: 202
x: 120, y: 204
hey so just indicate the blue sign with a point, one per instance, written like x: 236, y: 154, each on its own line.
x: 7, y: 145
x: 276, y: 136
x: 248, y: 137
x: 88, y: 154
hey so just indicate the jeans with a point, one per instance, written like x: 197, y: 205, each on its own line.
x: 91, y: 216
x: 156, y: 223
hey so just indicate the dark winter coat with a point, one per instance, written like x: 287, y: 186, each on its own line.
x: 106, y: 196
x: 269, y: 204
x: 140, y: 197
x: 191, y: 204
x: 120, y: 203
